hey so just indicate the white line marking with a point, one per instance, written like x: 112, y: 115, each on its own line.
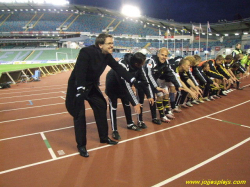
x: 30, y: 95
x: 200, y: 164
x: 43, y: 136
x: 33, y: 117
x: 36, y: 87
x: 31, y: 107
x: 33, y: 90
x: 62, y: 98
x: 245, y: 126
x: 214, y: 119
x: 52, y: 153
x: 49, y: 148
x: 29, y: 100
x: 229, y: 122
x: 245, y: 85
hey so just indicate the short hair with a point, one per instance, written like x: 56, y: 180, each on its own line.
x: 191, y: 59
x: 219, y: 57
x: 235, y: 65
x: 237, y: 57
x: 138, y: 58
x: 204, y: 64
x: 197, y: 58
x: 100, y: 39
x: 183, y: 61
x: 229, y: 57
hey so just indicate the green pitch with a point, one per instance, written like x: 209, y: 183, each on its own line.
x: 14, y: 67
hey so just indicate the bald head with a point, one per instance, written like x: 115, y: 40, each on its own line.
x: 164, y: 49
x: 163, y: 54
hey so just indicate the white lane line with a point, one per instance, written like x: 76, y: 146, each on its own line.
x: 33, y: 117
x: 30, y: 95
x: 52, y: 153
x: 200, y: 164
x: 30, y: 107
x: 63, y: 98
x: 29, y: 100
x: 36, y: 87
x: 245, y: 85
x: 229, y: 122
x: 33, y: 90
x: 214, y: 119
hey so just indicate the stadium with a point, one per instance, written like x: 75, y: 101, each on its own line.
x: 39, y: 47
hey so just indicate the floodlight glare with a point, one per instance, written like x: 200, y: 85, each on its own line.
x: 131, y: 11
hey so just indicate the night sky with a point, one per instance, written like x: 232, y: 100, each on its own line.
x: 198, y: 11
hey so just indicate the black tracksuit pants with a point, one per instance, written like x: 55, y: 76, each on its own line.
x: 99, y: 106
x: 141, y: 96
x: 113, y: 108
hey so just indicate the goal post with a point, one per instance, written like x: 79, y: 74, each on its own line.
x: 61, y: 56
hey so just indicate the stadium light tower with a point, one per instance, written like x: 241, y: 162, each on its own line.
x: 131, y: 11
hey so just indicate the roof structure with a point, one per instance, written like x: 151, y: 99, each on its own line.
x: 232, y: 27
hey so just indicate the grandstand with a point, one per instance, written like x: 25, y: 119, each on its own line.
x: 40, y: 33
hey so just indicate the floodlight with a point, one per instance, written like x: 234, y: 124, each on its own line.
x: 245, y: 32
x: 131, y: 11
x: 236, y: 34
x: 226, y: 34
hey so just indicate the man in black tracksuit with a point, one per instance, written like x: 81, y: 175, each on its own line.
x: 117, y: 87
x: 83, y: 85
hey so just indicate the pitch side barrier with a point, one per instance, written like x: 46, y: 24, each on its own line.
x: 34, y: 73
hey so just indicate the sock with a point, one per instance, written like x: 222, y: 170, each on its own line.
x: 237, y: 84
x: 172, y: 103
x: 166, y: 105
x: 160, y: 108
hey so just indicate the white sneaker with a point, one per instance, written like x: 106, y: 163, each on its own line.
x: 170, y: 116
x: 211, y: 98
x: 206, y: 99
x: 165, y: 119
x: 189, y: 104
x: 195, y: 102
x: 200, y: 100
x: 176, y: 109
x: 224, y: 92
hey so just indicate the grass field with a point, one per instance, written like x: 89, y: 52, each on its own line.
x: 14, y: 67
